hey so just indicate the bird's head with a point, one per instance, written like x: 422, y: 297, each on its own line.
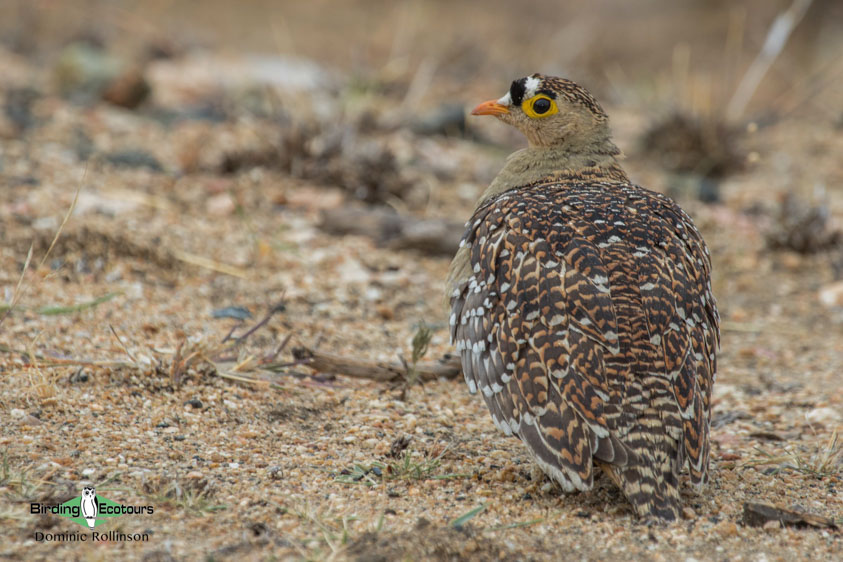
x: 551, y: 112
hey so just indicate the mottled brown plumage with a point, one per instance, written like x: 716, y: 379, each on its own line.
x: 581, y: 307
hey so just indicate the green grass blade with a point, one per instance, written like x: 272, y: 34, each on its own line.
x: 58, y: 310
x: 463, y: 519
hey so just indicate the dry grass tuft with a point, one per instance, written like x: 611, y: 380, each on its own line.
x: 193, y: 495
x: 408, y: 467
x: 803, y: 227
x: 683, y: 143
x: 824, y: 462
x: 17, y: 484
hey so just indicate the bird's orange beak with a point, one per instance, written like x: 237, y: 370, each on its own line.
x: 491, y: 107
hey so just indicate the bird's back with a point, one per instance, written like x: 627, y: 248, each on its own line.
x: 582, y: 310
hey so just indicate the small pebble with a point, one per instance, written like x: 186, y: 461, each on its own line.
x: 771, y: 526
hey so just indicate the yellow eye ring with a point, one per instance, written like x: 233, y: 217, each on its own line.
x: 539, y: 106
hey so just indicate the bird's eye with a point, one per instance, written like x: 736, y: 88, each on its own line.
x: 541, y: 105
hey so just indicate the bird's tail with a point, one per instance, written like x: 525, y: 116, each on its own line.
x: 650, y: 478
x: 651, y: 498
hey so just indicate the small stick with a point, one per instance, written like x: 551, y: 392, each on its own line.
x: 279, y: 349
x: 176, y: 367
x: 446, y: 367
x: 230, y: 333
x: 279, y: 307
x: 126, y: 349
x: 263, y: 321
x: 64, y: 221
x: 207, y: 263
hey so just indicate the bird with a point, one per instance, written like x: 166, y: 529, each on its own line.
x: 89, y: 505
x: 581, y: 307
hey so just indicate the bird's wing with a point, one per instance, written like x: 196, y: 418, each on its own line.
x: 659, y: 271
x: 87, y: 510
x: 588, y: 324
x: 533, y: 325
x: 690, y: 328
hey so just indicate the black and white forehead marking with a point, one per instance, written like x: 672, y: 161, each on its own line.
x: 524, y: 88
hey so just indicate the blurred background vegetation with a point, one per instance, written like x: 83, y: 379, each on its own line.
x: 687, y: 53
x: 362, y: 94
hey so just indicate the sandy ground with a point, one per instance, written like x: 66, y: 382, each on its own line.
x: 114, y: 371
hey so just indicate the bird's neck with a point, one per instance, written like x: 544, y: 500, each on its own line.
x: 539, y: 164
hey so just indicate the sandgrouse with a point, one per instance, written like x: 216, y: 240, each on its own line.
x: 581, y: 306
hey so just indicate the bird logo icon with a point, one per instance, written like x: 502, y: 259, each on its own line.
x: 89, y: 505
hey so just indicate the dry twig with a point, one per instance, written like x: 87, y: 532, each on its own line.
x: 448, y: 366
x: 759, y: 514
